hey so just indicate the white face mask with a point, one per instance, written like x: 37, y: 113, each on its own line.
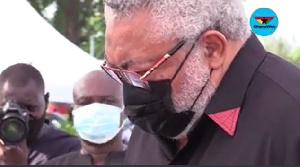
x: 97, y: 123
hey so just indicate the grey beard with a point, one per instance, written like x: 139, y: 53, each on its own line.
x: 191, y: 79
x: 196, y: 77
x: 199, y: 109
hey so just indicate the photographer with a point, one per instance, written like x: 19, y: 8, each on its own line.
x: 23, y: 86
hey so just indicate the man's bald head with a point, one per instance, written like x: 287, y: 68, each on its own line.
x: 97, y: 86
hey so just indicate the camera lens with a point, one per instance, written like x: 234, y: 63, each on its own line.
x: 12, y: 130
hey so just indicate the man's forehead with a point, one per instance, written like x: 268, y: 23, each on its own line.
x: 97, y: 84
x: 137, y: 56
x: 30, y: 88
x: 124, y: 52
x: 128, y: 44
x: 24, y: 94
x: 91, y: 91
x: 126, y: 41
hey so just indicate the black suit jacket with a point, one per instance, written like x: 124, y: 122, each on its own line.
x: 253, y: 118
x: 76, y: 158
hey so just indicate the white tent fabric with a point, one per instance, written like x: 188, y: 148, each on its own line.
x: 25, y: 37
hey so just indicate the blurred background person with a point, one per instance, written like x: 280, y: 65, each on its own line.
x: 23, y: 84
x: 98, y: 119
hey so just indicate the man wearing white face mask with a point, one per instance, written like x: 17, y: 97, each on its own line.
x: 98, y: 119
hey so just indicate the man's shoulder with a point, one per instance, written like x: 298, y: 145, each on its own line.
x: 72, y: 158
x: 115, y: 158
x: 51, y: 144
x: 60, y: 138
x: 62, y: 159
x: 282, y: 77
x: 274, y: 92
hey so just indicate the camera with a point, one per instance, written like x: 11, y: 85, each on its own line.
x: 14, y: 120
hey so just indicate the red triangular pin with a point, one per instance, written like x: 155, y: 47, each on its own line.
x: 227, y: 120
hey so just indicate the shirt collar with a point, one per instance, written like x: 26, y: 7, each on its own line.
x: 225, y: 105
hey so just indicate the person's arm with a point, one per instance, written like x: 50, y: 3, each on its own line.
x: 13, y: 154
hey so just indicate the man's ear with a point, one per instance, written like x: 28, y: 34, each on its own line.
x: 122, y: 118
x: 215, y: 44
x: 46, y: 98
x: 71, y: 108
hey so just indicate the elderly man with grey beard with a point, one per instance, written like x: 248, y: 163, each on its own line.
x: 199, y: 86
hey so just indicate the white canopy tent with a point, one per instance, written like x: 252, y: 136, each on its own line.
x: 25, y: 37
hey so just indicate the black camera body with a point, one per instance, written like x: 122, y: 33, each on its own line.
x: 14, y: 126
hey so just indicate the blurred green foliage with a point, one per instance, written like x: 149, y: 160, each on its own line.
x: 67, y: 126
x: 295, y: 56
x: 77, y: 20
x: 282, y: 48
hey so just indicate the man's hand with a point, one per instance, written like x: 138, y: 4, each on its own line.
x: 13, y: 155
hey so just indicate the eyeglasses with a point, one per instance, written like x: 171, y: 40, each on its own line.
x: 134, y: 79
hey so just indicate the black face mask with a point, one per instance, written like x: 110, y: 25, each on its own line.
x: 153, y: 110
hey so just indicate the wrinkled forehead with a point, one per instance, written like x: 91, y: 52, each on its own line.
x: 98, y: 87
x: 127, y: 44
x: 29, y: 93
x: 125, y: 37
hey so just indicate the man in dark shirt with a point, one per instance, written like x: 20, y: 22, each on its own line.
x: 96, y: 89
x: 24, y: 84
x: 199, y: 87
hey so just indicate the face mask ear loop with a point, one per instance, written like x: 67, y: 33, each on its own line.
x: 200, y: 93
x: 182, y: 63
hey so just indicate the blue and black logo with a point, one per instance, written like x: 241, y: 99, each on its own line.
x: 264, y: 21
